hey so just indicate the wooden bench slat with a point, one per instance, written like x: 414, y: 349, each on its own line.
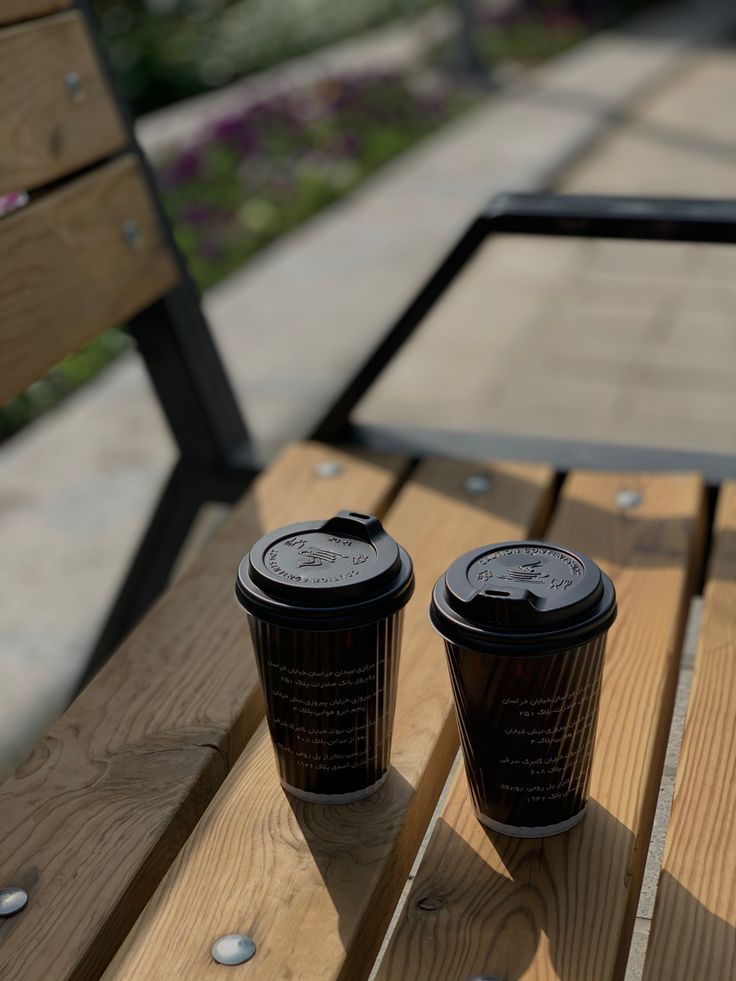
x: 315, y: 886
x: 94, y: 818
x: 693, y: 932
x: 12, y: 11
x: 482, y: 904
x: 45, y: 131
x: 68, y: 273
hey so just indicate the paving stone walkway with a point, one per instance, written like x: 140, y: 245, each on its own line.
x: 75, y: 489
x: 626, y: 343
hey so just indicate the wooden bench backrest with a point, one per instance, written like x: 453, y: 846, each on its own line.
x: 89, y: 250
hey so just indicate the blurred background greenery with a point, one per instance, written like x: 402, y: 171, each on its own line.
x: 167, y: 50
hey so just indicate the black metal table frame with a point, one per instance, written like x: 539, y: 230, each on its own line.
x: 570, y: 216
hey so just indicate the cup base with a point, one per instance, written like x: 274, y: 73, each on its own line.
x: 541, y: 831
x: 354, y: 795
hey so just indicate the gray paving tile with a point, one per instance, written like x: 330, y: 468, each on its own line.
x: 638, y: 949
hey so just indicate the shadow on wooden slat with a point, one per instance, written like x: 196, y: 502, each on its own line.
x: 352, y: 846
x: 466, y: 920
x: 638, y: 540
x: 510, y: 490
x: 705, y: 947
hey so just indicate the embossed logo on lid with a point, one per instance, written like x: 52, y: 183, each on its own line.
x: 316, y: 557
x: 541, y: 568
x: 522, y: 593
x: 325, y: 570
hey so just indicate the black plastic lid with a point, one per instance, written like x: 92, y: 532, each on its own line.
x: 342, y: 572
x: 530, y: 597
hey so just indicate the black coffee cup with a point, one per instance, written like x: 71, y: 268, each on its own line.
x: 325, y: 601
x: 525, y: 627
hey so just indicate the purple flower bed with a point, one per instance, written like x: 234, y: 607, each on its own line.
x: 257, y: 174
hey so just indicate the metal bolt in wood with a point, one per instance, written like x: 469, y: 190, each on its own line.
x: 74, y: 87
x: 235, y: 948
x: 628, y: 499
x: 328, y: 468
x: 132, y: 234
x: 12, y: 900
x: 477, y: 483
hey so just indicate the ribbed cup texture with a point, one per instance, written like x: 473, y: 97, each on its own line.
x: 527, y: 727
x: 330, y: 701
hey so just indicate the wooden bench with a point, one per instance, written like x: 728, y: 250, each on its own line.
x: 151, y: 821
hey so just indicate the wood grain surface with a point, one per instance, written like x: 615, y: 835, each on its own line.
x: 694, y: 927
x: 12, y: 11
x: 563, y: 907
x: 68, y: 273
x: 313, y: 885
x: 94, y: 818
x: 46, y: 129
